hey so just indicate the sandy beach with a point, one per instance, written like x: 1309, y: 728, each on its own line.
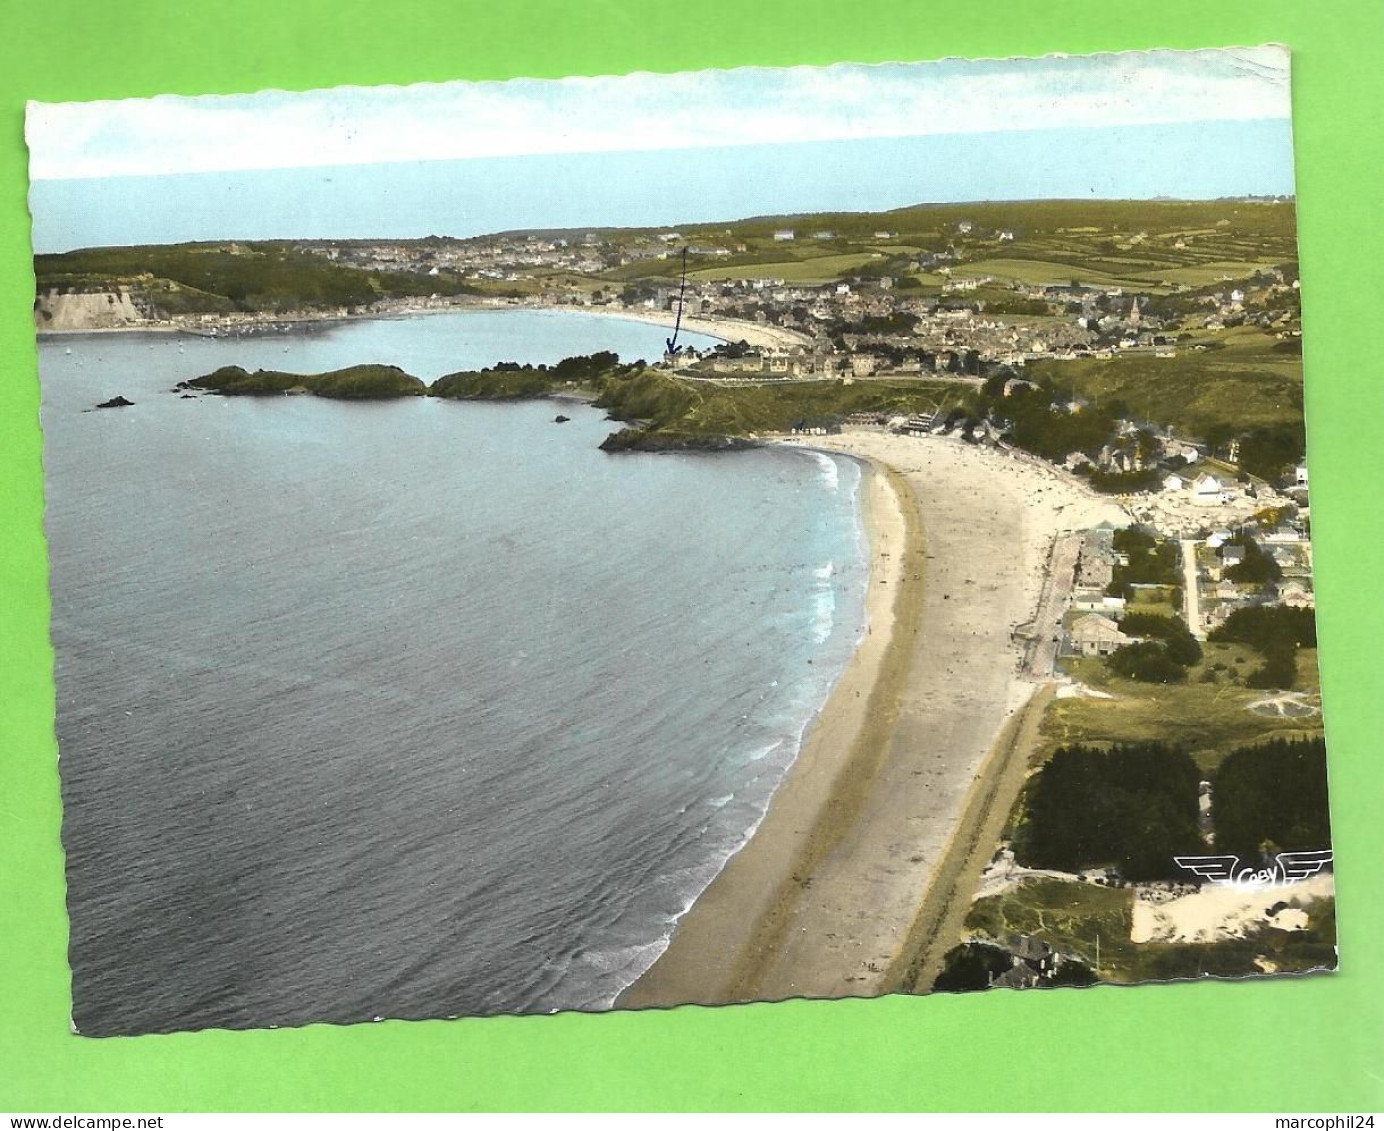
x: 87, y: 319
x: 901, y: 776
x: 728, y: 329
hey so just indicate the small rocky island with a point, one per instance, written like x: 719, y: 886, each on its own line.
x: 356, y: 382
x: 660, y: 410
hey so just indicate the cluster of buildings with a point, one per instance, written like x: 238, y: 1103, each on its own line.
x: 1217, y: 594
x: 504, y: 257
x: 875, y: 318
x: 1211, y: 587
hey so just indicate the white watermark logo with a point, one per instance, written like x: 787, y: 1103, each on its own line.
x: 1287, y: 868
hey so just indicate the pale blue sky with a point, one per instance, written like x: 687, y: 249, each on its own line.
x: 468, y: 158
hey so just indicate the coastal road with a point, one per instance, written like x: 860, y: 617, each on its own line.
x: 1058, y: 577
x: 942, y: 916
x: 1191, y: 597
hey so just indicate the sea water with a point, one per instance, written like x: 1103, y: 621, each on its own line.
x: 412, y: 708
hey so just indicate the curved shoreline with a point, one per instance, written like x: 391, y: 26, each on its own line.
x: 860, y: 864
x: 711, y: 955
x: 724, y: 329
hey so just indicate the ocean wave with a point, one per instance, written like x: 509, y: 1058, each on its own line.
x: 824, y: 614
x: 636, y: 957
x: 831, y: 472
x: 759, y: 753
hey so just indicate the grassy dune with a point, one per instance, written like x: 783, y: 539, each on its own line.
x: 1208, y: 719
x: 1071, y: 917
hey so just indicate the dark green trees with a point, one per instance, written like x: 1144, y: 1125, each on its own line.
x: 1133, y: 807
x: 1257, y: 568
x: 1275, y: 631
x: 1272, y: 798
x: 1163, y: 656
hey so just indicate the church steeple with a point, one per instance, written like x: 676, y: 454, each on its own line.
x: 1134, y: 311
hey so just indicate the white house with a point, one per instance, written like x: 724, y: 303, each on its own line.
x: 1174, y: 483
x: 784, y: 235
x: 1297, y: 596
x: 1207, y: 489
x: 1181, y: 450
x: 1300, y: 475
x: 1095, y: 635
x: 1232, y: 555
x: 1099, y: 604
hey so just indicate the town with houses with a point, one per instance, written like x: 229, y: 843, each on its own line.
x: 872, y: 322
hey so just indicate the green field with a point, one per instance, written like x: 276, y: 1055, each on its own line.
x: 1202, y: 274
x: 809, y: 269
x: 1156, y: 601
x: 1246, y: 383
x: 1144, y: 275
x: 1041, y: 272
x: 1076, y: 224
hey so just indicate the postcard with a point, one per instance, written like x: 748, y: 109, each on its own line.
x: 678, y: 539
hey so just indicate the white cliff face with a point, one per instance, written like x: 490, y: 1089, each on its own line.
x: 103, y: 310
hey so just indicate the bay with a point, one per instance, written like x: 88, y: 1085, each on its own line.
x: 412, y: 708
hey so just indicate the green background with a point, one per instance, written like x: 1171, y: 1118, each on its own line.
x: 1305, y: 1044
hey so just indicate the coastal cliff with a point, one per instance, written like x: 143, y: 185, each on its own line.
x: 119, y: 308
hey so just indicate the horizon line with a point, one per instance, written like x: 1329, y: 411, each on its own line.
x: 1247, y: 198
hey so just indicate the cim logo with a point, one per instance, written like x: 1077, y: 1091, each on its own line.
x: 1226, y: 871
